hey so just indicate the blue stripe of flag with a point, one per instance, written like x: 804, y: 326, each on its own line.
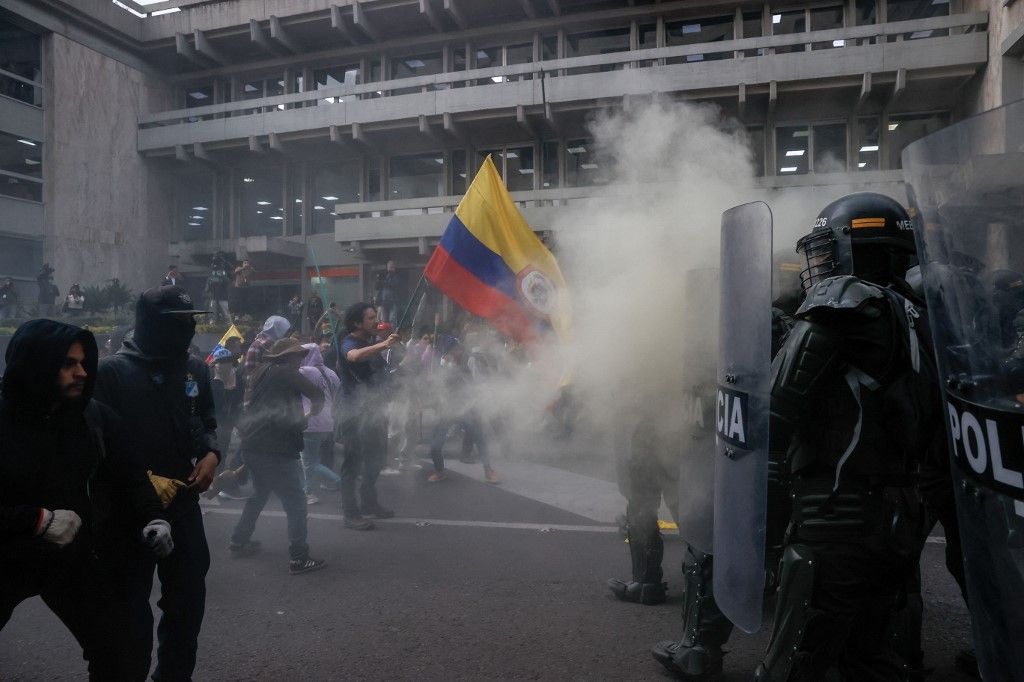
x: 479, y: 260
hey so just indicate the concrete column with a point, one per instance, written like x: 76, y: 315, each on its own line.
x: 737, y: 30
x: 286, y: 177
x: 233, y: 227
x: 767, y: 27
x: 659, y: 36
x: 562, y: 43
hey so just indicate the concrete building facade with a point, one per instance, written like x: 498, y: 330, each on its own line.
x: 334, y: 135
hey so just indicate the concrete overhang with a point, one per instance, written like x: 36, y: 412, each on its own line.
x: 243, y: 247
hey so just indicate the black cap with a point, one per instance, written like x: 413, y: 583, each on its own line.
x: 170, y: 300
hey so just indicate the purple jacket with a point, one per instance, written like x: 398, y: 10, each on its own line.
x: 313, y: 369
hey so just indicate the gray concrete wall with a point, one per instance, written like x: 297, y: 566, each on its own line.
x: 1002, y: 80
x: 107, y: 211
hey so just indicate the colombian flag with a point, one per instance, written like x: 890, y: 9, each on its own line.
x: 492, y: 264
x: 219, y: 350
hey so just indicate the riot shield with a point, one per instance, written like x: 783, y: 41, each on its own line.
x: 741, y: 412
x: 697, y: 448
x: 966, y: 184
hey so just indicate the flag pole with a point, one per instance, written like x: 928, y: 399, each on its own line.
x: 408, y: 306
x: 323, y: 296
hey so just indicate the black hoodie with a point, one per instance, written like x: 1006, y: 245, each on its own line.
x: 66, y: 457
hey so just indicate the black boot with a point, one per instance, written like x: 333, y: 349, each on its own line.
x: 640, y: 593
x: 646, y: 549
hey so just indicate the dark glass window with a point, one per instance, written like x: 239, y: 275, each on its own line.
x: 756, y: 138
x: 20, y: 61
x: 787, y: 23
x: 608, y: 41
x: 906, y: 128
x: 373, y: 179
x: 519, y: 168
x: 753, y: 28
x: 21, y: 155
x: 905, y: 10
x: 823, y: 19
x: 198, y: 96
x: 458, y: 171
x: 22, y: 258
x: 867, y: 144
x: 260, y: 198
x: 696, y: 32
x: 829, y: 148
x: 194, y: 209
x: 417, y: 175
x: 550, y: 178
x: 581, y: 165
x: 20, y: 188
x: 415, y: 65
x: 487, y: 57
x: 335, y: 76
x: 867, y: 12
x: 332, y: 185
x: 519, y: 54
x: 792, y: 150
x: 482, y: 154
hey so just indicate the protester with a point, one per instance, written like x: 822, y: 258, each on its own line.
x: 320, y: 428
x: 172, y: 278
x: 295, y: 307
x: 71, y: 490
x: 314, y: 311
x: 274, y: 329
x: 242, y: 276
x: 272, y: 436
x: 48, y: 291
x: 217, y: 285
x: 166, y: 403
x: 8, y: 300
x: 227, y: 388
x: 74, y: 302
x: 363, y: 424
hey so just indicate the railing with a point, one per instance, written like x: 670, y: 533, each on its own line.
x: 20, y: 88
x: 838, y: 38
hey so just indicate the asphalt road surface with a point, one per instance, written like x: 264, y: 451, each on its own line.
x: 469, y: 582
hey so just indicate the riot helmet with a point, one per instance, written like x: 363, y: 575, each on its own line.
x: 865, y: 234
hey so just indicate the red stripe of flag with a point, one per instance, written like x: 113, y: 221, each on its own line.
x: 448, y: 275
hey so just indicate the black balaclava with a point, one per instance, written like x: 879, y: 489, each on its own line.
x: 162, y: 336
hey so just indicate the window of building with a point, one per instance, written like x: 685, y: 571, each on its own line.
x: 548, y: 47
x: 753, y: 28
x: 335, y: 76
x: 417, y: 175
x: 866, y: 143
x: 906, y: 128
x: 457, y: 165
x: 20, y: 64
x: 198, y: 96
x: 647, y: 39
x: 829, y: 147
x: 334, y: 184
x: 261, y: 207
x: 410, y: 66
x: 481, y: 156
x: 755, y: 137
x: 792, y: 150
x: 194, y: 206
x: 787, y: 23
x: 823, y: 19
x: 488, y: 57
x: 519, y: 54
x: 698, y: 32
x: 373, y: 179
x: 866, y: 12
x: 581, y: 165
x: 296, y: 199
x: 252, y: 89
x: 21, y: 167
x: 21, y: 258
x: 549, y: 150
x: 519, y: 168
x: 608, y: 41
x: 905, y: 10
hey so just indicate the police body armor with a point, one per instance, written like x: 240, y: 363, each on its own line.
x: 966, y: 185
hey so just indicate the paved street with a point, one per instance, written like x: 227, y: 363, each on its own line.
x: 470, y: 582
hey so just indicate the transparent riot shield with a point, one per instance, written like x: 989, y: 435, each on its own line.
x: 697, y: 448
x: 966, y: 184
x: 741, y: 413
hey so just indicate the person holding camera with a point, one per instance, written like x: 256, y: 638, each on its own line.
x: 217, y: 286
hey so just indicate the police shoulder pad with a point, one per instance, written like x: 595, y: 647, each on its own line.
x: 839, y: 293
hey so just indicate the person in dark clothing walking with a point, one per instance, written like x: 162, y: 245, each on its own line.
x: 71, y: 490
x: 363, y: 427
x: 165, y: 400
x: 314, y: 311
x: 272, y: 438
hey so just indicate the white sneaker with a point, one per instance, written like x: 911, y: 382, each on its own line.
x: 390, y: 471
x: 311, y: 499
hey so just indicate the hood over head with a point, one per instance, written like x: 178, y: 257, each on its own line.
x: 34, y: 357
x: 164, y: 324
x: 276, y: 327
x: 314, y: 358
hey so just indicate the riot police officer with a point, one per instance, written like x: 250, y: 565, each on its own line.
x: 856, y: 387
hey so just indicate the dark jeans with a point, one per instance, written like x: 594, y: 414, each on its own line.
x: 283, y: 477
x: 72, y: 592
x: 474, y: 435
x: 182, y: 597
x: 365, y: 454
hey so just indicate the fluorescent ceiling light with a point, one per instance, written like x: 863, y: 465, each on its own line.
x: 480, y: 54
x: 498, y: 79
x: 800, y: 133
x: 690, y: 28
x: 298, y: 201
x: 199, y: 208
x: 333, y: 213
x: 276, y: 217
x: 31, y: 162
x: 694, y: 57
x: 158, y: 12
x: 263, y: 203
x: 795, y: 152
x: 577, y: 150
x: 414, y: 63
x: 259, y: 212
x: 588, y: 166
x: 776, y: 18
x: 318, y: 207
x: 198, y: 95
x: 194, y: 225
x: 462, y: 175
x: 380, y: 92
x: 788, y: 169
x: 281, y: 83
x: 862, y: 164
x: 920, y: 34
x: 526, y: 171
x: 439, y: 162
x: 330, y: 198
x: 281, y: 107
x: 123, y: 6
x: 511, y: 155
x: 195, y: 217
x: 547, y: 184
x: 893, y: 126
x: 838, y: 43
x: 869, y: 148
x: 30, y: 143
x: 249, y: 87
x: 329, y: 100
x: 248, y: 179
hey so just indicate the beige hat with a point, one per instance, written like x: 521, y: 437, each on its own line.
x: 285, y: 347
